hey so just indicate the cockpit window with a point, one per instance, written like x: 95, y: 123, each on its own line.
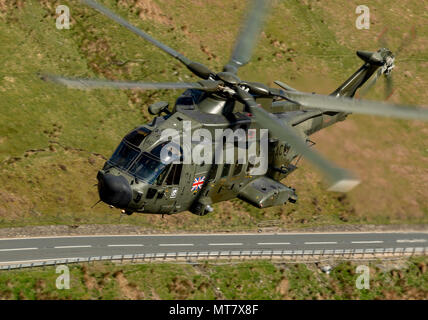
x: 137, y: 136
x: 174, y: 175
x: 151, y: 167
x: 190, y: 97
x: 147, y: 168
x: 167, y: 152
x: 123, y: 156
x: 186, y: 101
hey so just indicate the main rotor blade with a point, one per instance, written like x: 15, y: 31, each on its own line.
x: 248, y: 36
x: 342, y: 104
x: 197, y: 68
x: 102, y: 84
x: 284, y: 85
x: 340, y: 179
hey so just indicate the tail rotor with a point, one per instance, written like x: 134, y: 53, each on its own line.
x: 388, y: 65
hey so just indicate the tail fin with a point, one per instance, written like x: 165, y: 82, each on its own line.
x: 372, y: 61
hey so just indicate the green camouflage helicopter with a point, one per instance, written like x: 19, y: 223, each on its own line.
x: 141, y: 177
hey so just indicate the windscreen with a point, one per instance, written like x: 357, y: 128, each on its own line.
x: 137, y: 136
x: 123, y: 156
x: 147, y: 168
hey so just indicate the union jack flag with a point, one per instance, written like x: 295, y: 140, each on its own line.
x: 198, y: 183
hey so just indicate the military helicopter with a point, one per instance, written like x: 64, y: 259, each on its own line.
x: 138, y: 179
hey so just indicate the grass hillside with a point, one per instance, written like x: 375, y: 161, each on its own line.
x: 53, y: 140
x: 262, y: 280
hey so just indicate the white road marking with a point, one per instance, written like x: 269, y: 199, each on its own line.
x: 125, y: 245
x: 272, y: 243
x: 327, y: 242
x: 176, y: 244
x: 225, y: 244
x: 411, y: 240
x: 72, y: 247
x: 374, y: 241
x: 19, y: 249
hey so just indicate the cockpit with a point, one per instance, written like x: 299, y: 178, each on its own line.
x: 190, y: 98
x: 128, y: 150
x: 147, y: 168
x: 143, y: 165
x: 151, y: 165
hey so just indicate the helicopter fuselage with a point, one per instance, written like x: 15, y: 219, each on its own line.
x: 150, y: 185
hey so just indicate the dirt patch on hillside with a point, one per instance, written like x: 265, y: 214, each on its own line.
x: 154, y: 295
x: 129, y: 290
x: 9, y: 5
x: 283, y: 287
x: 90, y: 281
x: 100, y: 56
x: 147, y: 10
x: 181, y: 288
x: 12, y: 205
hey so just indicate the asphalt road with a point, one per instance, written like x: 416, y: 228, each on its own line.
x: 38, y: 249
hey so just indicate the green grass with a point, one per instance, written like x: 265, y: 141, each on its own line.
x: 54, y: 140
x: 258, y: 280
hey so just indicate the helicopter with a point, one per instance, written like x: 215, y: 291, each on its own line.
x: 141, y: 177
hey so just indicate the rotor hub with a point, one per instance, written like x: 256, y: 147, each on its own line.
x: 228, y: 78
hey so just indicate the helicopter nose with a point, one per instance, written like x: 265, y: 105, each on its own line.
x: 114, y: 190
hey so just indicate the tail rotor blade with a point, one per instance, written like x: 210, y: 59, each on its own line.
x: 389, y: 83
x: 406, y: 41
x: 381, y: 39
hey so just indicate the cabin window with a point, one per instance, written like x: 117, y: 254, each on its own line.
x: 213, y: 172
x: 225, y: 171
x: 162, y: 176
x: 238, y: 168
x: 174, y: 174
x: 250, y: 166
x: 151, y: 193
